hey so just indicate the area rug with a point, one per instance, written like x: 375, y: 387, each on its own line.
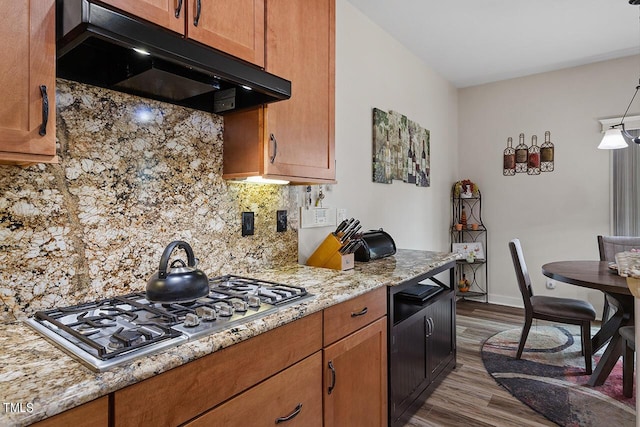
x: 550, y: 378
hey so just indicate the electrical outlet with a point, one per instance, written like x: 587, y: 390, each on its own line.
x: 551, y: 284
x: 342, y: 215
x: 247, y: 223
x: 281, y: 221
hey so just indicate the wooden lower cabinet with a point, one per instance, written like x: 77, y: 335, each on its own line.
x: 292, y: 397
x: 355, y: 378
x: 91, y: 414
x: 421, y: 347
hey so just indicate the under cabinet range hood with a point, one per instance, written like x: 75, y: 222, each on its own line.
x: 102, y: 47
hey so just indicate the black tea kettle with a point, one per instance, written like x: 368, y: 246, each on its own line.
x: 180, y: 283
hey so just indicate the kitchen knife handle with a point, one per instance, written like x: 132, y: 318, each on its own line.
x: 179, y: 9
x: 360, y: 313
x: 45, y: 110
x: 333, y: 377
x: 273, y: 139
x: 291, y: 415
x: 198, y: 10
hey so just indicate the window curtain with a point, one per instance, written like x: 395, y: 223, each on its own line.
x: 626, y: 189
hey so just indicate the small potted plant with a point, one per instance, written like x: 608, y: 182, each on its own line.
x: 465, y: 189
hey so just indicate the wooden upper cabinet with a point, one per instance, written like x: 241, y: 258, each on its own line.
x: 235, y: 27
x: 232, y: 26
x: 27, y: 71
x: 165, y: 13
x: 292, y: 139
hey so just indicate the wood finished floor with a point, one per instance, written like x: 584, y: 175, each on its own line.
x: 469, y: 396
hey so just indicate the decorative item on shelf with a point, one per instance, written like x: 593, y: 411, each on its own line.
x: 463, y: 284
x: 546, y: 153
x: 463, y: 250
x: 465, y: 189
x: 474, y: 226
x: 458, y: 227
x: 522, y: 155
x: 471, y: 257
x: 463, y: 218
x: 509, y: 162
x: 533, y: 168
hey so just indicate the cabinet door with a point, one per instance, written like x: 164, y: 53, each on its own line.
x: 300, y: 48
x: 408, y: 373
x: 441, y: 340
x: 232, y: 26
x: 169, y: 14
x: 292, y: 397
x: 355, y: 378
x: 27, y: 49
x: 91, y: 414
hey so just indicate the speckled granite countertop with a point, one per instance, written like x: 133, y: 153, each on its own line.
x: 35, y: 372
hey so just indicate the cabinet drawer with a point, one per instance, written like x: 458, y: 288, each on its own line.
x: 196, y: 387
x: 349, y: 316
x: 295, y: 393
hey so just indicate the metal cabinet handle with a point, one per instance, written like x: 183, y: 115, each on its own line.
x: 429, y: 325
x: 198, y: 10
x: 45, y: 110
x: 360, y: 313
x: 291, y: 415
x: 179, y: 9
x: 273, y: 139
x: 333, y: 377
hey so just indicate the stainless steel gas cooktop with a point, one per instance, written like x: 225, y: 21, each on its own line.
x: 114, y: 331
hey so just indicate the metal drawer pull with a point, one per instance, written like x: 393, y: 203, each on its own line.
x: 291, y: 415
x: 360, y: 313
x: 273, y: 139
x: 198, y: 10
x: 179, y: 9
x: 45, y: 110
x: 333, y: 377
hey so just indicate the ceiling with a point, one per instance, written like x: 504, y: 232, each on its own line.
x: 471, y: 42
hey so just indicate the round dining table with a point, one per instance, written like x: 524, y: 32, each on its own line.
x: 598, y: 275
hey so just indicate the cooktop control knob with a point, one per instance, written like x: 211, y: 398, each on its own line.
x: 191, y: 320
x: 240, y: 305
x: 225, y: 310
x: 207, y: 314
x: 254, y: 301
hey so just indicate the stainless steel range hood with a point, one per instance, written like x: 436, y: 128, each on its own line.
x: 95, y: 45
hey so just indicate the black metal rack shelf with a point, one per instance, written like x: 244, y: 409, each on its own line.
x: 477, y: 271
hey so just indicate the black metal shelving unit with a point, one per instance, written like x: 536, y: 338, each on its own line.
x: 477, y: 271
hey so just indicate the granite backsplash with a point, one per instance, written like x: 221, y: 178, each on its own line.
x: 134, y: 175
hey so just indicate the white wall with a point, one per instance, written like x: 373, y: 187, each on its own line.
x: 556, y: 215
x: 374, y: 70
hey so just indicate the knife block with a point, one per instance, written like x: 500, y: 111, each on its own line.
x: 327, y: 255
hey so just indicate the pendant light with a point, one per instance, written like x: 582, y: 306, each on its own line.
x: 614, y: 138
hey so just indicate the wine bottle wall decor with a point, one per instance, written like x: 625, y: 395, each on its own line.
x: 509, y: 159
x: 533, y: 167
x: 530, y: 160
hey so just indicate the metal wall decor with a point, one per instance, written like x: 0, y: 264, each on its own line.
x: 530, y: 160
x: 509, y: 161
x: 401, y: 149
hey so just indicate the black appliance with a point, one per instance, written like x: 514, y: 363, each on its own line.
x: 95, y: 45
x: 375, y: 244
x: 113, y: 331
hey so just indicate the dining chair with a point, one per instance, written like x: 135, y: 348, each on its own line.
x: 554, y: 309
x: 628, y: 334
x: 609, y: 246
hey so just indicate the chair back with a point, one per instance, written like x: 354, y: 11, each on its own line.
x: 520, y: 266
x: 609, y: 246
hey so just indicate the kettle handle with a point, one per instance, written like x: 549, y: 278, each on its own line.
x: 191, y: 259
